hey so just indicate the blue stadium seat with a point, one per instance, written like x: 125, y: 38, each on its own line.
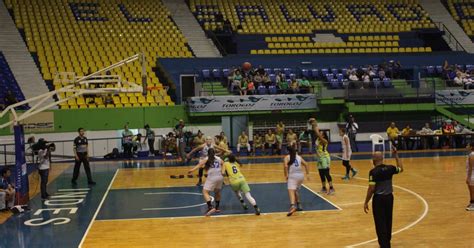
x: 315, y: 73
x: 272, y: 77
x: 324, y: 71
x: 206, y: 74
x: 430, y: 70
x: 216, y: 73
x: 329, y: 76
x: 268, y: 71
x: 387, y: 83
x: 334, y: 71
x: 287, y: 71
x: 262, y: 90
x: 334, y: 84
x: 340, y: 77
x: 305, y: 73
x: 272, y: 90
x: 225, y: 72
x: 376, y: 82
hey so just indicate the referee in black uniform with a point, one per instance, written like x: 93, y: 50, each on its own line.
x: 80, y: 152
x: 380, y: 186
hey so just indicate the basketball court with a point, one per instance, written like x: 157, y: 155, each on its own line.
x: 138, y: 204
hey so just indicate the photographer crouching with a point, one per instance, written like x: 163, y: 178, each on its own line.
x: 44, y: 162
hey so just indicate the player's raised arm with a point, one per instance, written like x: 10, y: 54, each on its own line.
x: 199, y: 165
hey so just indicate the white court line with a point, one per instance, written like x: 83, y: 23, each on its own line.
x: 425, y: 212
x: 422, y: 216
x: 214, y: 216
x: 314, y: 192
x: 98, y: 208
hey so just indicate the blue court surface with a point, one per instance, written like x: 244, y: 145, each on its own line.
x: 188, y: 201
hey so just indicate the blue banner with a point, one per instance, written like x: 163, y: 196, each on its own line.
x: 21, y: 173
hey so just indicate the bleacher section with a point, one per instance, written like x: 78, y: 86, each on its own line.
x: 295, y: 17
x: 463, y: 12
x: 84, y: 37
x: 8, y: 84
x: 353, y: 44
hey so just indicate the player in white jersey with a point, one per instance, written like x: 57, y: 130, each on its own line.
x: 346, y: 154
x: 295, y: 176
x: 204, y: 148
x: 215, y: 171
x: 470, y: 176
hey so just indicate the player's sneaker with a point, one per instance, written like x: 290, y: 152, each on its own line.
x: 257, y: 211
x: 210, y: 211
x: 199, y: 183
x: 323, y: 190
x: 346, y: 178
x: 291, y: 211
x: 470, y: 207
x: 354, y: 172
x: 331, y: 191
x: 244, y: 206
x: 298, y: 207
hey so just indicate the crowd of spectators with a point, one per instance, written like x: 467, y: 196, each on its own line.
x: 257, y: 81
x: 369, y: 76
x: 457, y: 76
x: 450, y: 134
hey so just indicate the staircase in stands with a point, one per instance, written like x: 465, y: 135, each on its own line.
x: 19, y: 58
x: 187, y: 23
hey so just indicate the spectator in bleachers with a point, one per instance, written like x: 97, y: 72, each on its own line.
x: 294, y: 88
x: 371, y: 72
x: 365, y: 80
x: 236, y: 81
x: 280, y: 77
x: 258, y: 143
x: 259, y: 70
x: 250, y: 88
x: 244, y: 86
x: 392, y: 133
x: 270, y: 141
x: 266, y: 79
x: 354, y: 80
x: 127, y: 141
x: 199, y: 139
x: 305, y: 139
x: 243, y: 142
x: 230, y: 77
x: 381, y: 73
x: 408, y: 142
x: 458, y: 81
x: 304, y: 85
x: 427, y: 142
x: 351, y: 70
x: 137, y: 143
x: 283, y: 86
x: 258, y: 80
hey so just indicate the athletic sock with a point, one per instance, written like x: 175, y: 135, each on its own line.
x: 217, y: 204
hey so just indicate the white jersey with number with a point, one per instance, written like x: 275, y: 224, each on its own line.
x: 295, y: 174
x: 214, y: 176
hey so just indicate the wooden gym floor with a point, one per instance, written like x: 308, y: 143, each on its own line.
x: 430, y: 200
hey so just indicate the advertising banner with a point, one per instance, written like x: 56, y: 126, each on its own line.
x: 251, y: 103
x: 450, y: 97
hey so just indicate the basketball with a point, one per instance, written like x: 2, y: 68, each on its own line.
x: 247, y: 66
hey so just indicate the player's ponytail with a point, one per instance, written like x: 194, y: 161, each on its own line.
x: 292, y: 152
x: 210, y: 158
